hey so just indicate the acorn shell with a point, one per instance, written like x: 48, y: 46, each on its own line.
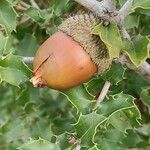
x: 61, y: 63
x: 71, y: 56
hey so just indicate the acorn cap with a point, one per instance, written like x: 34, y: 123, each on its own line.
x: 79, y: 27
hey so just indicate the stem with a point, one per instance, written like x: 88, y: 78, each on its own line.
x: 103, y: 93
x: 34, y: 4
x: 24, y: 4
x: 78, y: 147
x: 120, y: 18
x: 124, y: 11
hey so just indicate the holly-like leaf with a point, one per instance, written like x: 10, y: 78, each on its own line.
x: 95, y: 85
x: 28, y: 46
x: 39, y: 144
x: 116, y: 103
x: 87, y: 124
x: 15, y: 62
x: 145, y: 4
x: 7, y: 16
x: 79, y: 97
x: 3, y: 41
x: 63, y: 141
x: 131, y: 140
x: 86, y: 128
x: 15, y: 130
x: 12, y: 76
x: 137, y: 49
x: 145, y: 96
x: 13, y: 71
x: 35, y: 14
x: 145, y: 12
x: 94, y: 148
x: 132, y: 21
x: 59, y: 7
x: 115, y: 74
x: 110, y: 35
x: 109, y: 138
x: 124, y: 120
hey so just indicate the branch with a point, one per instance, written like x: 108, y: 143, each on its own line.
x: 34, y: 4
x: 99, y: 8
x: 120, y: 18
x: 28, y: 60
x: 143, y: 70
x: 124, y: 11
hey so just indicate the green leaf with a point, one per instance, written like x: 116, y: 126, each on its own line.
x: 145, y: 96
x: 137, y: 49
x: 94, y: 148
x: 39, y: 144
x: 110, y: 35
x: 115, y: 74
x: 7, y: 16
x: 145, y: 4
x: 109, y: 138
x: 95, y: 85
x: 145, y: 12
x: 14, y: 61
x: 116, y: 103
x: 86, y: 128
x: 59, y: 7
x: 13, y: 70
x: 132, y: 139
x: 12, y: 76
x: 63, y: 141
x: 107, y: 111
x: 28, y: 46
x: 124, y: 120
x: 3, y: 41
x: 132, y: 21
x: 35, y: 14
x: 79, y: 97
x: 15, y: 130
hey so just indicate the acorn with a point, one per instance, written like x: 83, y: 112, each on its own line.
x: 71, y: 56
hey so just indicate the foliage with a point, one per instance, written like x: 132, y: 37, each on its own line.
x: 43, y: 119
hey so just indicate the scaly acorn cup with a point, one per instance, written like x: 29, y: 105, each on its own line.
x: 71, y: 56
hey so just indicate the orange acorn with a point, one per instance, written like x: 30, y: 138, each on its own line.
x: 71, y: 56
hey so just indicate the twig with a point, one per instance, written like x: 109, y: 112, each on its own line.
x: 143, y: 70
x: 21, y: 8
x: 28, y: 60
x: 34, y: 4
x: 98, y: 8
x: 120, y: 18
x: 124, y: 11
x: 103, y: 93
x: 110, y: 5
x: 78, y: 147
x: 24, y: 4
